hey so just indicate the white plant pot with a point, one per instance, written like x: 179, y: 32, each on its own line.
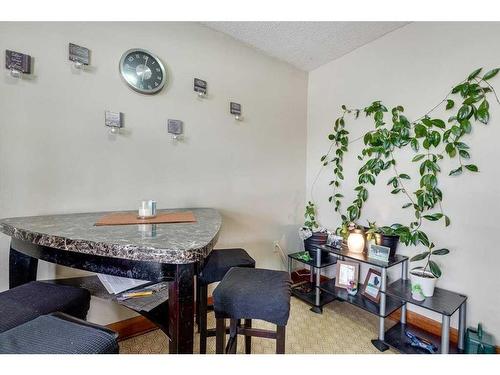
x: 427, y: 282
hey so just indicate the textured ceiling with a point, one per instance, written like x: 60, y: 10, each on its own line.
x: 306, y: 45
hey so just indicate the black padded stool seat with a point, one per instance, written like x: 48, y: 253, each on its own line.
x: 58, y: 334
x: 220, y: 261
x: 216, y: 265
x: 246, y: 293
x: 28, y: 301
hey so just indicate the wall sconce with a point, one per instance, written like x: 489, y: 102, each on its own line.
x: 18, y: 63
x: 356, y: 241
x: 80, y: 56
x: 200, y: 87
x: 114, y: 121
x: 174, y: 127
x: 235, y: 109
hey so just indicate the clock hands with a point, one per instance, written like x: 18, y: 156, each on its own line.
x: 145, y: 66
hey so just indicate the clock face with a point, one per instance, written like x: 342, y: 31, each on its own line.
x: 143, y: 71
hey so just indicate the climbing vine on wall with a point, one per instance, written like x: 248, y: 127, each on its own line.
x: 431, y: 139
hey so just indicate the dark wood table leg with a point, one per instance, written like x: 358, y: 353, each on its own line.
x: 181, y: 310
x: 22, y: 268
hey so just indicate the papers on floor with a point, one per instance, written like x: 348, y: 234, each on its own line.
x: 116, y: 284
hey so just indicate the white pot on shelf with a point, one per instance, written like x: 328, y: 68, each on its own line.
x: 426, y: 280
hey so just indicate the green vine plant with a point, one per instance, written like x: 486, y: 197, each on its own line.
x: 431, y: 139
x: 310, y: 216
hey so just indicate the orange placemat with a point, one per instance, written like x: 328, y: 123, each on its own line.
x: 160, y: 218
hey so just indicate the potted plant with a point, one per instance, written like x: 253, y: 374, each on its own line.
x: 384, y: 236
x: 426, y: 276
x: 311, y: 232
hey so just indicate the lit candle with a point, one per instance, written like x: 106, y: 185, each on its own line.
x: 356, y: 241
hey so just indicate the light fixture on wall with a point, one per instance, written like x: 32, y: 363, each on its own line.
x: 235, y: 109
x: 174, y: 127
x: 200, y: 87
x: 356, y: 241
x: 114, y: 121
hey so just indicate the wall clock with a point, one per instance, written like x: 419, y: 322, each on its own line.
x: 143, y: 71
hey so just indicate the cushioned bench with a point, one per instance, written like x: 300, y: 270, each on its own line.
x: 58, y: 334
x: 26, y: 302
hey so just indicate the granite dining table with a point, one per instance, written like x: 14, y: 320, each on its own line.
x: 169, y: 253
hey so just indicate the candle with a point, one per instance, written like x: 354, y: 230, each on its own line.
x: 356, y: 241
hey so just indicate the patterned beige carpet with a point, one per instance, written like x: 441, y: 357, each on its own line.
x: 341, y: 329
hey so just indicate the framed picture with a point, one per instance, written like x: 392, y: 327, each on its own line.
x: 371, y: 287
x: 334, y: 241
x: 378, y: 252
x: 346, y: 272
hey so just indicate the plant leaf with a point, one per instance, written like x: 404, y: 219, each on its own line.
x: 420, y: 256
x: 471, y: 167
x: 474, y: 74
x: 456, y: 172
x: 491, y: 74
x: 436, y: 271
x: 449, y: 104
x: 441, y: 252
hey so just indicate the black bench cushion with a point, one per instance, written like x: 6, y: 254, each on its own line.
x: 28, y: 301
x: 220, y: 261
x: 50, y: 334
x: 246, y: 293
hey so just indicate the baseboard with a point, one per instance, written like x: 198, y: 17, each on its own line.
x: 135, y: 326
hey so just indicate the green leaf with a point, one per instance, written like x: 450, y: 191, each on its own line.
x: 439, y: 123
x: 434, y: 217
x: 450, y: 150
x: 449, y: 104
x: 491, y: 74
x: 474, y: 74
x: 441, y: 252
x: 418, y: 157
x: 464, y: 112
x: 407, y: 205
x: 436, y: 271
x: 405, y: 176
x: 456, y: 172
x: 414, y: 144
x: 464, y: 154
x: 446, y: 221
x: 471, y: 167
x: 420, y: 130
x: 483, y: 116
x: 420, y: 256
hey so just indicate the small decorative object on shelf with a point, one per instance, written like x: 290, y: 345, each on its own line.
x: 304, y: 256
x: 371, y: 287
x: 356, y: 241
x: 352, y: 289
x: 379, y: 252
x: 420, y: 342
x: 416, y: 293
x: 347, y: 272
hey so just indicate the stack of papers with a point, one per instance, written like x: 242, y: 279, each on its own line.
x: 116, y: 284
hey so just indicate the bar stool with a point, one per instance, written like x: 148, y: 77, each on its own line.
x: 28, y: 301
x: 251, y: 294
x: 217, y: 264
x: 58, y: 333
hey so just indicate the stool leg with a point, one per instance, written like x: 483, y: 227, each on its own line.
x: 202, y: 313
x: 197, y: 306
x: 248, y: 339
x: 220, y: 335
x: 232, y: 343
x: 280, y: 339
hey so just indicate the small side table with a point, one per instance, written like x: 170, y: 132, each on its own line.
x: 443, y: 302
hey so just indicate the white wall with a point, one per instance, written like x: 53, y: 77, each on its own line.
x: 416, y: 66
x: 56, y: 155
